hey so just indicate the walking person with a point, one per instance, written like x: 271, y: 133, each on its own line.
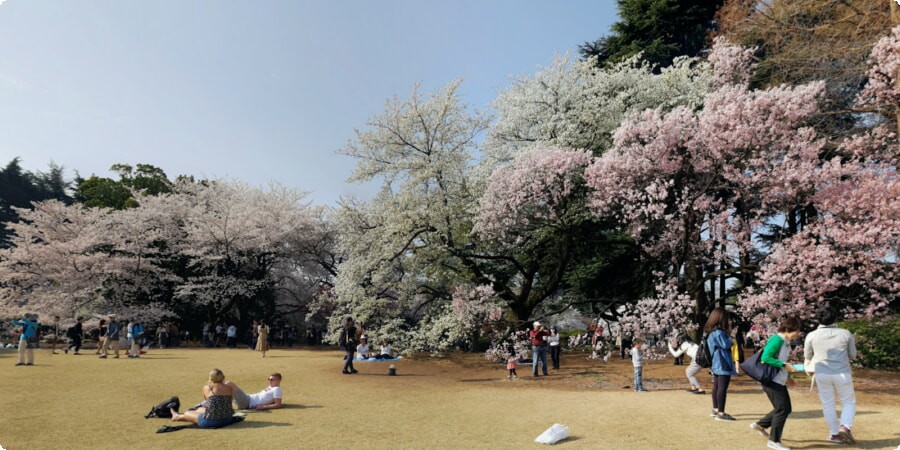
x: 539, y: 336
x: 101, y: 336
x: 827, y: 353
x: 75, y: 333
x: 553, y: 343
x: 28, y: 328
x: 718, y: 329
x: 348, y: 340
x: 685, y: 346
x: 112, y: 338
x: 775, y: 354
x: 262, y: 340
x: 511, y: 363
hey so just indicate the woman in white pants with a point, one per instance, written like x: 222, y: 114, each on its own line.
x: 828, y: 351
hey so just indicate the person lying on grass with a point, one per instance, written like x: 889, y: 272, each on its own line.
x: 218, y: 411
x: 268, y: 398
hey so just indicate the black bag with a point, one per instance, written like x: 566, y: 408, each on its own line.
x: 163, y: 410
x: 758, y: 370
x: 703, y: 358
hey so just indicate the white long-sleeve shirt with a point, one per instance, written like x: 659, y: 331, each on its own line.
x: 687, y: 347
x: 828, y: 350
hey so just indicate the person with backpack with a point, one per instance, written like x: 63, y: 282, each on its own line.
x: 28, y: 328
x: 349, y: 341
x: 685, y: 346
x: 74, y: 333
x: 776, y: 354
x: 718, y: 330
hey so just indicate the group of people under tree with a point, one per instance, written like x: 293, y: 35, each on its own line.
x: 354, y: 341
x: 828, y: 351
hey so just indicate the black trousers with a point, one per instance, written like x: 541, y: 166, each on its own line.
x: 554, y: 356
x: 781, y: 404
x: 720, y: 391
x: 348, y: 364
x: 75, y: 343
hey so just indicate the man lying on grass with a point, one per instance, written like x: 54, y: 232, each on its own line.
x: 268, y: 398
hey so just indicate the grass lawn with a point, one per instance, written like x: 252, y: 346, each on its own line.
x: 461, y: 402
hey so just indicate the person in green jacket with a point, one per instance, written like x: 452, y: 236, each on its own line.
x: 776, y: 354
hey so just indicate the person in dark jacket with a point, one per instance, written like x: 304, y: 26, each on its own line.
x: 75, y: 334
x: 349, y: 340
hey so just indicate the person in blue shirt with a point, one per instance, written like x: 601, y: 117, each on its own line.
x: 718, y: 331
x: 28, y: 327
x: 137, y: 332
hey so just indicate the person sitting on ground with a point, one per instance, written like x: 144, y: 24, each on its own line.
x: 385, y: 352
x: 363, y: 348
x: 268, y: 398
x: 218, y: 397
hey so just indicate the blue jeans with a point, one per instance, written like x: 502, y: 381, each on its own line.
x: 639, y: 378
x: 203, y: 422
x: 538, y: 352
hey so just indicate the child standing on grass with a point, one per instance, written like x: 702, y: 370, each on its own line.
x: 637, y: 359
x: 511, y: 364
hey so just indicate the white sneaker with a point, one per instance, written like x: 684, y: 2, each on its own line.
x: 777, y: 446
x: 759, y: 429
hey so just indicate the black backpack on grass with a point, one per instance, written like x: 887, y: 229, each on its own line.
x: 703, y: 358
x: 163, y: 410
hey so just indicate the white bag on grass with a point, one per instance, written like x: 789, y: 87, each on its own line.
x: 553, y: 434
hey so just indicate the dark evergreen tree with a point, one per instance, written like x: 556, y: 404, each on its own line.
x: 19, y: 188
x: 661, y: 29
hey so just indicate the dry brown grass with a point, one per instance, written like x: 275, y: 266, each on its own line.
x: 458, y: 402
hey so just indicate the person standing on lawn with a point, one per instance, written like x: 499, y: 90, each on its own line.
x: 718, y: 330
x: 553, y: 342
x: 827, y: 353
x: 348, y: 340
x: 539, y: 337
x: 27, y: 335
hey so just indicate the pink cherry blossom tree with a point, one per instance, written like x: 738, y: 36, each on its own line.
x: 695, y: 186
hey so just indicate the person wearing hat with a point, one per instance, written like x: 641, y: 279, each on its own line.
x: 539, y: 337
x: 28, y: 327
x: 112, y: 337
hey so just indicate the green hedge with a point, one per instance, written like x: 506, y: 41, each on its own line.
x: 877, y: 341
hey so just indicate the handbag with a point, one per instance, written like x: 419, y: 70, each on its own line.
x: 759, y: 370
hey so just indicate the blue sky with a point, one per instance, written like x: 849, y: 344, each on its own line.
x: 253, y: 90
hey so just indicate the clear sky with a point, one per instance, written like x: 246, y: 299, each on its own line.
x: 253, y: 90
